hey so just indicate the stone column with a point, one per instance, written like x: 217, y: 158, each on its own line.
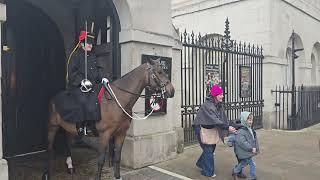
x: 146, y: 28
x: 3, y: 162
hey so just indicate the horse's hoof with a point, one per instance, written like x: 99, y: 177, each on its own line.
x: 119, y: 178
x: 45, y: 176
x: 71, y: 170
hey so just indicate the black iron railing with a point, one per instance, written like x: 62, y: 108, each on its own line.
x: 239, y: 67
x: 307, y: 108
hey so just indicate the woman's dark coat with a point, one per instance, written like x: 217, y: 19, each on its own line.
x: 212, y: 115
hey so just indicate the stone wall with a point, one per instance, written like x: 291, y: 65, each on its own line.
x: 149, y: 31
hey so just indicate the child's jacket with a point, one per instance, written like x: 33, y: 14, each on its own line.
x: 245, y: 142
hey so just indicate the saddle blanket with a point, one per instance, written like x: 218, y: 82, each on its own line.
x: 76, y: 106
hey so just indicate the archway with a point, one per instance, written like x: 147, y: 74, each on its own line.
x: 315, y: 58
x: 313, y: 70
x: 38, y: 39
x: 299, y: 62
x: 106, y: 27
x: 33, y: 69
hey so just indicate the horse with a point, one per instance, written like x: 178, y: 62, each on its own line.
x: 115, y: 117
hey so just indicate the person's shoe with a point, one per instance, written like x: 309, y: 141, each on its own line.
x: 241, y: 175
x: 198, y: 165
x: 235, y: 176
x: 214, y: 175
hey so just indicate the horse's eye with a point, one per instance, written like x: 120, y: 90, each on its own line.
x: 159, y: 72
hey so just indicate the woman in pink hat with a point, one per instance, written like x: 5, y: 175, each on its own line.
x: 211, y: 115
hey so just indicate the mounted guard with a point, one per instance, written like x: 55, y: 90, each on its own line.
x: 83, y: 78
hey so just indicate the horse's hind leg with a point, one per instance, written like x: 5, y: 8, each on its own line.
x: 52, y: 131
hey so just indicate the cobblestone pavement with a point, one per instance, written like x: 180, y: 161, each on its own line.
x: 31, y: 168
x: 284, y: 156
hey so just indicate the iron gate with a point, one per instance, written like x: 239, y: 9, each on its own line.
x: 307, y: 107
x: 239, y: 66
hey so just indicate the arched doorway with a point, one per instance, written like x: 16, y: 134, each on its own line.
x: 106, y: 28
x: 315, y: 64
x: 33, y: 70
x: 299, y: 62
x: 313, y: 70
x: 37, y: 39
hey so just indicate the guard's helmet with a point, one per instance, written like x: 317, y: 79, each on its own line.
x: 84, y: 34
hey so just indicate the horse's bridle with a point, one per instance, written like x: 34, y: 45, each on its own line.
x: 157, y: 80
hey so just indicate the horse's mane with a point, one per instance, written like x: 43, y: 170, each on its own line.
x: 128, y: 75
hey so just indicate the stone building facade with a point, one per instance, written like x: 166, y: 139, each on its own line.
x: 268, y: 23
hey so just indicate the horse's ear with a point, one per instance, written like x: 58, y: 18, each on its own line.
x: 157, y: 60
x: 153, y: 62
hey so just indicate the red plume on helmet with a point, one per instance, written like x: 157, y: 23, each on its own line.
x: 90, y: 35
x: 82, y: 35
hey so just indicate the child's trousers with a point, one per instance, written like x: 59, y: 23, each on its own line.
x: 243, y: 163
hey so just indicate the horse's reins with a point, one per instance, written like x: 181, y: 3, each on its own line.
x: 156, y: 79
x: 106, y: 83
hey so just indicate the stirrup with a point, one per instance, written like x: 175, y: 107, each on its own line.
x: 81, y: 127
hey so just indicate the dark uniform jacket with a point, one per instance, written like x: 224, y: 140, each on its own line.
x: 76, y: 69
x: 74, y: 105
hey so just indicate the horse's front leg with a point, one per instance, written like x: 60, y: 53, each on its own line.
x: 103, y: 145
x: 119, y: 139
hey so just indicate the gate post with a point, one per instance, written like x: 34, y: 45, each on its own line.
x: 3, y: 163
x: 293, y: 88
x: 226, y: 46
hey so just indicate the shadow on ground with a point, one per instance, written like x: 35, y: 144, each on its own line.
x: 31, y: 167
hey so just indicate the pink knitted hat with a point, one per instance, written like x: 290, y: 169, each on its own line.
x: 216, y: 90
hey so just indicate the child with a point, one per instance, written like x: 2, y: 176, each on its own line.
x: 231, y: 142
x: 246, y: 146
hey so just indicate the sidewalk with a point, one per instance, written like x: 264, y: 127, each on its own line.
x: 285, y: 155
x: 293, y: 155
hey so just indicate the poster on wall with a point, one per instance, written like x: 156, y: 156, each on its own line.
x: 245, y: 81
x: 155, y: 102
x: 212, y: 76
